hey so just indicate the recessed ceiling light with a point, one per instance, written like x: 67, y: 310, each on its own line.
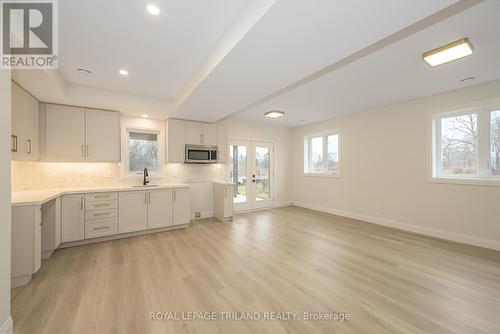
x: 449, y: 52
x: 274, y: 114
x: 123, y: 72
x: 153, y: 10
x: 144, y: 116
x: 84, y: 70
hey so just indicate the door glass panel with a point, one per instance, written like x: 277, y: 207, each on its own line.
x: 238, y: 172
x: 262, y: 174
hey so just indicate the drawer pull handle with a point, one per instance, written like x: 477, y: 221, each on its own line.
x: 100, y: 205
x: 101, y: 196
x: 101, y: 228
x: 101, y: 214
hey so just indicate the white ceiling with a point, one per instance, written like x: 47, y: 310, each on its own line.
x: 316, y: 59
x: 395, y: 73
x: 294, y: 39
x: 160, y: 52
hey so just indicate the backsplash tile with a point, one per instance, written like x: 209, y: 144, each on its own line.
x: 31, y: 175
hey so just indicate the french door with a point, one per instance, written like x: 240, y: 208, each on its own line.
x: 251, y: 171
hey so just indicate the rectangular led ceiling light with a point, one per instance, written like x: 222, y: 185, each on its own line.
x: 449, y: 52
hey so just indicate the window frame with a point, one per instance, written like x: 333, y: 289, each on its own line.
x: 307, y: 153
x: 126, y: 170
x: 483, y: 175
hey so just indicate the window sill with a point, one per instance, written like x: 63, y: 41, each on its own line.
x: 322, y: 175
x: 465, y: 181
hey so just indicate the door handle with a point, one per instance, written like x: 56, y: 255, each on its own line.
x: 13, y: 147
x: 225, y: 192
x: 81, y: 203
x: 146, y: 197
x: 175, y: 196
x: 29, y: 146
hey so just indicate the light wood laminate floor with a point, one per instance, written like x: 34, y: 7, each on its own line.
x: 285, y: 259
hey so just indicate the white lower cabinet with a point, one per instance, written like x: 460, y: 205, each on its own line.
x: 133, y: 212
x: 181, y: 207
x: 141, y: 210
x: 223, y: 201
x: 26, y: 249
x: 73, y: 218
x: 159, y: 208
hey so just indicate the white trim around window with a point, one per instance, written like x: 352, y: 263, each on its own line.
x: 481, y: 171
x: 322, y: 169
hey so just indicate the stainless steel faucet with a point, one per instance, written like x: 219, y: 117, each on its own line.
x: 145, y: 181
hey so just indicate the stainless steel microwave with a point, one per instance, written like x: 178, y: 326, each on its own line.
x: 201, y: 154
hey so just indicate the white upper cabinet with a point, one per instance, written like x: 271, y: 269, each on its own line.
x: 25, y: 125
x: 103, y: 135
x: 64, y: 133
x: 176, y: 140
x: 222, y: 143
x: 198, y: 133
x: 209, y: 132
x: 76, y: 134
x: 194, y: 133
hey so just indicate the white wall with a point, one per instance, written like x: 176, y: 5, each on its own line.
x: 281, y: 137
x: 5, y: 114
x: 384, y: 170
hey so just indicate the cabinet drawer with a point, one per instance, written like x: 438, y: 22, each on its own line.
x: 101, y: 214
x: 101, y: 228
x: 104, y: 205
x: 101, y: 197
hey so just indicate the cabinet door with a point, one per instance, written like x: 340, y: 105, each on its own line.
x: 194, y: 133
x: 72, y: 218
x: 37, y: 238
x: 102, y: 135
x: 181, y: 207
x: 25, y: 124
x: 176, y: 137
x: 64, y: 133
x: 159, y: 208
x: 22, y: 247
x: 133, y: 213
x: 228, y: 201
x: 209, y: 134
x: 222, y: 143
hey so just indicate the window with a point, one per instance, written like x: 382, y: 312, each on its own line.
x: 321, y: 154
x: 143, y: 151
x: 467, y: 144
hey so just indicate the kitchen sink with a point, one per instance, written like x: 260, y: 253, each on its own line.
x: 146, y: 186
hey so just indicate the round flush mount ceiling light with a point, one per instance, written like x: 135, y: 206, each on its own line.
x: 144, y: 116
x: 84, y: 70
x: 123, y: 72
x: 152, y: 9
x: 274, y: 114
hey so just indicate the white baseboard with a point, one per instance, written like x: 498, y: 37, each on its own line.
x: 282, y: 204
x: 452, y: 236
x: 16, y: 282
x: 7, y: 327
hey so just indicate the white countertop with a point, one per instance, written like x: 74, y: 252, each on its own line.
x: 38, y: 197
x: 224, y: 183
